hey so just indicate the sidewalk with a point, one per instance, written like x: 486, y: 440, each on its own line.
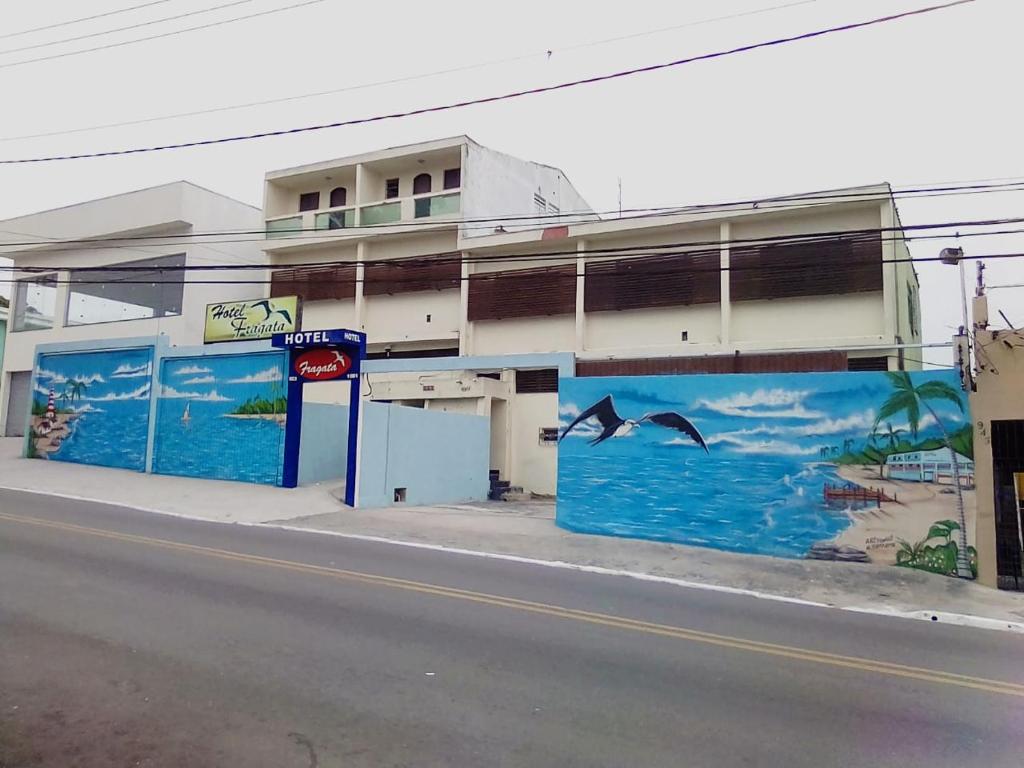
x: 520, y: 530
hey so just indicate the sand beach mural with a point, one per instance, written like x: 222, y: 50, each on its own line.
x: 222, y: 417
x: 839, y: 466
x: 92, y: 408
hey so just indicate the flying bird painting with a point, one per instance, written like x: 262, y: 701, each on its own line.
x: 616, y: 426
x: 265, y: 306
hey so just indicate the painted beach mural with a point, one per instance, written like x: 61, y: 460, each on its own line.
x: 839, y: 466
x: 222, y: 417
x: 92, y: 408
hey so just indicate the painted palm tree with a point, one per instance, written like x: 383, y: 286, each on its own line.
x: 77, y: 388
x: 909, y: 400
x: 892, y: 435
x: 874, y: 452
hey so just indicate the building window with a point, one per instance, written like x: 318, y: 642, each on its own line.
x: 453, y: 178
x: 146, y: 288
x: 309, y: 201
x: 339, y: 197
x: 35, y: 303
x: 532, y: 382
x: 868, y: 364
x: 390, y: 189
x: 421, y: 184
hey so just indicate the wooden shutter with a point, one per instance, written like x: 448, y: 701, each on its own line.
x: 818, y: 268
x: 425, y: 273
x: 523, y: 293
x: 315, y: 283
x: 541, y: 380
x: 795, y: 362
x: 653, y: 281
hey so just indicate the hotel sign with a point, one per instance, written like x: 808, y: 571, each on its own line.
x: 250, y: 320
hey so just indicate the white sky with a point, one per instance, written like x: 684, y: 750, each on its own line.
x: 926, y: 99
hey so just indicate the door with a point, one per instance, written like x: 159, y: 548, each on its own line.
x: 499, y: 437
x: 1008, y: 473
x: 17, y: 402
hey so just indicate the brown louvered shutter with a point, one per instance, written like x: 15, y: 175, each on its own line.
x: 424, y: 273
x: 523, y: 293
x: 315, y: 283
x: 795, y: 362
x: 818, y: 268
x: 653, y: 281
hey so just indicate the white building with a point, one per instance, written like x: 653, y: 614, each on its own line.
x: 62, y: 299
x: 935, y: 466
x: 479, y: 278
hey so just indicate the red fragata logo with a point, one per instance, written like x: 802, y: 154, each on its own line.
x: 322, y: 364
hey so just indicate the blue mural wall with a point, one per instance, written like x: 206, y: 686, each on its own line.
x: 92, y: 407
x: 791, y: 465
x: 222, y: 417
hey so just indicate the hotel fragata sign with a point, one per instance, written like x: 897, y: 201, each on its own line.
x: 250, y: 320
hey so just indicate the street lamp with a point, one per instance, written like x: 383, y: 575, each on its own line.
x: 955, y: 257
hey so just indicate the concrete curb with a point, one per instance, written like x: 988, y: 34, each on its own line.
x: 942, y: 617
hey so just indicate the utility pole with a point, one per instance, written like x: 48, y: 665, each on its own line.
x: 955, y: 256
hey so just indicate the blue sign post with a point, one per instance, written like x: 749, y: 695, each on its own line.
x: 329, y: 355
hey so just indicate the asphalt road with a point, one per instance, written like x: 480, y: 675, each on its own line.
x: 134, y: 639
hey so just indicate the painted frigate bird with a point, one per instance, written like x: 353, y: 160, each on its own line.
x: 616, y: 426
x: 265, y: 306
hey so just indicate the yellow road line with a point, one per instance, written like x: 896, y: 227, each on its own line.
x: 589, y: 617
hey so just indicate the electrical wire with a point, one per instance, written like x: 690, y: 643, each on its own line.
x: 138, y: 25
x: 560, y: 219
x: 172, y: 33
x: 446, y: 281
x: 863, y: 235
x: 412, y: 77
x: 488, y: 99
x: 82, y: 18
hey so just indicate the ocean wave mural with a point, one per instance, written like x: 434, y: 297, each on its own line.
x: 92, y: 407
x: 842, y: 466
x: 222, y: 417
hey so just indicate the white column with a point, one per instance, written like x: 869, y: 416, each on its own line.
x: 724, y: 235
x: 464, y: 326
x: 890, y: 291
x: 360, y: 298
x: 581, y: 315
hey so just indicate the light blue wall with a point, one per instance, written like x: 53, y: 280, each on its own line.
x: 438, y: 457
x: 323, y: 450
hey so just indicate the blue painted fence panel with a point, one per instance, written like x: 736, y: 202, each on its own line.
x: 92, y: 407
x: 221, y: 417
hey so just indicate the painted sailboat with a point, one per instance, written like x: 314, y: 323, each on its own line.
x: 185, y: 417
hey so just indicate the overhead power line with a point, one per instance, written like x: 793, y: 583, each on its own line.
x: 500, y: 97
x: 863, y: 235
x: 172, y: 33
x: 82, y: 18
x: 410, y: 78
x: 547, y: 220
x: 500, y: 275
x: 139, y: 25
